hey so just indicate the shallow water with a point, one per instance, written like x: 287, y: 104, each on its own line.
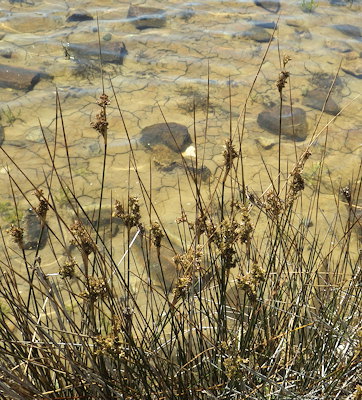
x: 166, y: 69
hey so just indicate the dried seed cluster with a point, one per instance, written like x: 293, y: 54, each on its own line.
x: 284, y: 75
x: 234, y: 366
x: 229, y: 153
x: 101, y: 124
x: 17, y: 235
x: 43, y: 206
x: 68, y: 268
x: 250, y: 281
x: 97, y: 289
x: 110, y: 345
x: 130, y: 217
x: 156, y: 234
x: 82, y: 238
x: 188, y: 263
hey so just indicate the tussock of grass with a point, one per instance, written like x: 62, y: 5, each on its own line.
x: 261, y: 303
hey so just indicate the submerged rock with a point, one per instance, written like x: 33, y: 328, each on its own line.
x: 349, y: 30
x: 269, y: 5
x: 167, y: 160
x: 353, y: 68
x: 172, y: 135
x: 338, y: 45
x: 20, y: 78
x: 33, y: 231
x: 79, y: 16
x: 316, y: 99
x: 146, y: 17
x: 36, y: 134
x: 257, y: 34
x: 167, y: 148
x: 84, y: 53
x: 265, y: 24
x: 323, y: 80
x: 293, y: 126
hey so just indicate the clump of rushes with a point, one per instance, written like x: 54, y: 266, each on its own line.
x: 130, y: 215
x: 262, y: 307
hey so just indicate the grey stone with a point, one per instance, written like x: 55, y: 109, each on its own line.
x: 316, y: 99
x: 349, y: 30
x: 34, y: 234
x: 35, y: 134
x: 146, y: 17
x: 257, y: 34
x: 6, y: 53
x: 353, y: 68
x: 323, y: 80
x: 295, y: 127
x: 172, y: 135
x: 79, y: 16
x: 269, y: 5
x: 107, y: 37
x: 338, y: 45
x: 265, y: 24
x: 20, y: 78
x: 84, y: 53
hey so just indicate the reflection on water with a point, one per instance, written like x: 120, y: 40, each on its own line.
x: 166, y: 67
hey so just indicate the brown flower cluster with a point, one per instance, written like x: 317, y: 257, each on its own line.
x: 43, y: 206
x: 101, y: 124
x: 156, y: 234
x: 130, y: 217
x: 250, y: 281
x: 82, y: 238
x: 97, y: 289
x: 68, y: 268
x: 17, y: 235
x: 284, y: 75
x: 229, y: 153
x: 188, y: 264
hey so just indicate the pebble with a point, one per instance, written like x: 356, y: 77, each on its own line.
x: 146, y: 17
x: 35, y: 134
x: 269, y: 5
x: 338, y: 45
x: 257, y: 34
x: 316, y: 99
x: 159, y: 134
x: 265, y: 24
x: 349, y: 30
x: 269, y: 120
x: 107, y: 37
x: 353, y: 68
x: 20, y: 78
x: 79, y: 16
